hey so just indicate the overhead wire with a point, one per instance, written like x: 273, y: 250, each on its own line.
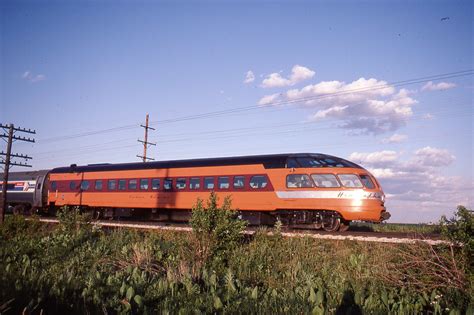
x: 231, y: 132
x: 267, y: 105
x: 88, y: 150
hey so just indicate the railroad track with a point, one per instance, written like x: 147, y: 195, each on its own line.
x: 379, y: 237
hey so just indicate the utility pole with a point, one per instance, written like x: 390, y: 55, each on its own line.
x: 145, y: 142
x: 10, y: 136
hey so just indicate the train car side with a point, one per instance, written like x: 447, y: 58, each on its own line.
x: 27, y: 191
x: 254, y: 188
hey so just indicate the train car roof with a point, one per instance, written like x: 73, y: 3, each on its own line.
x: 269, y: 161
x: 27, y: 175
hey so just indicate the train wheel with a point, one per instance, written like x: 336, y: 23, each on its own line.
x: 318, y: 223
x: 344, y: 226
x: 331, y: 223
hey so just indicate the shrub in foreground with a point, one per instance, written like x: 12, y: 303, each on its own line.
x: 74, y: 269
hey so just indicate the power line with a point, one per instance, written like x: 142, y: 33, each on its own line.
x: 243, y: 134
x: 230, y: 133
x: 254, y: 107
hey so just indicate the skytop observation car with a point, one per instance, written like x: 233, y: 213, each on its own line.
x: 306, y: 189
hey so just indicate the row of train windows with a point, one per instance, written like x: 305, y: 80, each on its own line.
x: 223, y: 182
x: 329, y: 181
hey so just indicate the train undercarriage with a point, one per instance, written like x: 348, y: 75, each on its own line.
x: 327, y: 220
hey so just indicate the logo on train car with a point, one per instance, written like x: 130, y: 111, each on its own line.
x: 20, y: 186
x: 27, y: 186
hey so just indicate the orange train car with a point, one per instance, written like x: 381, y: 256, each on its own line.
x: 316, y: 190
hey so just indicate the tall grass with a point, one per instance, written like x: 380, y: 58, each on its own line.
x: 77, y: 268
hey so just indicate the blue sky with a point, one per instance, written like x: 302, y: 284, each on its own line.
x: 68, y: 68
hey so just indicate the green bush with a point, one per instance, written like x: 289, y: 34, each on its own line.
x: 74, y: 269
x: 460, y: 229
x: 218, y: 230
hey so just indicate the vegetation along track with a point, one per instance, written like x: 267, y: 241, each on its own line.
x: 381, y: 237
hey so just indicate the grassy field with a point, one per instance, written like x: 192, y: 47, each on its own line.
x: 419, y: 228
x: 75, y: 267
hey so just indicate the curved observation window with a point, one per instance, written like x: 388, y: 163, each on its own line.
x: 350, y: 181
x: 325, y: 180
x: 298, y: 181
x: 367, y: 181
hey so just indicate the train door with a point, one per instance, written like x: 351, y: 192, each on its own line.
x: 39, y: 189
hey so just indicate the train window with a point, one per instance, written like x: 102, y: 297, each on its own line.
x: 181, y: 183
x: 72, y: 185
x: 144, y: 184
x: 350, y: 180
x: 112, y: 184
x: 209, y: 182
x: 54, y: 186
x: 367, y: 181
x: 195, y: 183
x: 85, y: 185
x: 168, y: 183
x: 98, y: 184
x: 122, y: 184
x: 325, y: 180
x: 223, y: 182
x: 155, y: 183
x: 291, y: 163
x: 132, y: 184
x: 239, y: 182
x: 308, y: 162
x: 258, y: 181
x: 298, y: 181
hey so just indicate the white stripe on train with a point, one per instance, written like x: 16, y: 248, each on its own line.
x: 329, y: 194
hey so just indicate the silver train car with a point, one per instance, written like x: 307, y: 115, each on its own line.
x: 25, y: 193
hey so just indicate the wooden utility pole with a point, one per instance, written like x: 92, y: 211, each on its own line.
x: 145, y: 141
x: 10, y: 136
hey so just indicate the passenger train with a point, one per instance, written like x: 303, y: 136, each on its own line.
x: 302, y: 189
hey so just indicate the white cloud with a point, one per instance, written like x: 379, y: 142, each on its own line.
x: 249, y: 77
x: 298, y: 74
x: 415, y: 189
x: 28, y: 76
x: 367, y: 106
x: 268, y: 99
x: 332, y: 111
x: 395, y: 138
x: 380, y: 159
x: 429, y: 156
x: 275, y: 80
x: 441, y: 86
